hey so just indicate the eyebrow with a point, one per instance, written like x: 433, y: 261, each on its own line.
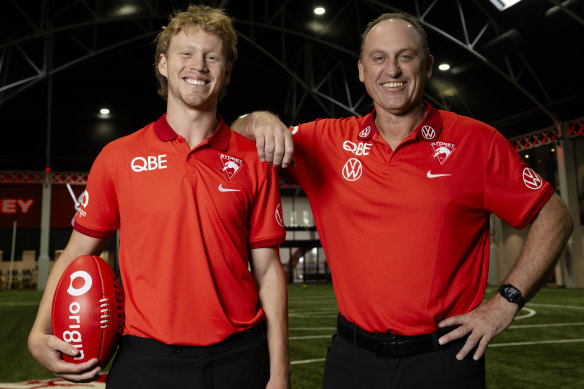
x: 381, y: 51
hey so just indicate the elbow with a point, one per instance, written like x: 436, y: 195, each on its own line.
x: 565, y: 222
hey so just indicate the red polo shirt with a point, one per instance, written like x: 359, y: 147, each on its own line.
x: 187, y: 221
x: 406, y: 232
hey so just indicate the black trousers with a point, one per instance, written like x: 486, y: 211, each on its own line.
x: 350, y: 366
x: 240, y: 361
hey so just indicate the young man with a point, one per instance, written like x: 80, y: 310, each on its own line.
x: 199, y: 233
x: 415, y: 187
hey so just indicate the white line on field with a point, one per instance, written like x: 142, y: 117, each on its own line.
x: 313, y: 329
x: 536, y: 343
x: 530, y: 313
x: 556, y: 306
x: 307, y: 361
x: 545, y: 325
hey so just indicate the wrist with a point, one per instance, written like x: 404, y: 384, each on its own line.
x: 512, y: 295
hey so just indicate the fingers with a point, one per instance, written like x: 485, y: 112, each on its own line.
x: 480, y: 342
x: 59, y: 345
x: 275, y: 147
x: 51, y: 358
x: 457, y: 333
x: 472, y: 341
x: 479, y: 332
x: 81, y: 372
x: 283, y: 149
x: 261, y: 148
x: 269, y: 147
x: 288, y: 149
x: 78, y: 372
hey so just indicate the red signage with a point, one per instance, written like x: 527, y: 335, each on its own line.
x: 23, y: 203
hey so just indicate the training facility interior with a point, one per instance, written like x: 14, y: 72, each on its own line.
x: 76, y: 75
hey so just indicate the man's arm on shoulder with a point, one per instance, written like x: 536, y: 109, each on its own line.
x: 273, y: 138
x: 47, y: 348
x: 269, y: 275
x: 545, y: 241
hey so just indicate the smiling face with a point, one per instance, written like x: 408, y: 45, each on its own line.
x: 395, y: 67
x: 195, y: 68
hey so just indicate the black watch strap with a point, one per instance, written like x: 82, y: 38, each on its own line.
x: 512, y: 294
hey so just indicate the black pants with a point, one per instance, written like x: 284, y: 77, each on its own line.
x: 241, y: 361
x: 349, y: 366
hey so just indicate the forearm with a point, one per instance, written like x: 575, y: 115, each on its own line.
x: 546, y: 238
x: 545, y: 241
x: 244, y: 126
x: 42, y: 324
x: 272, y: 137
x: 78, y: 245
x: 274, y: 301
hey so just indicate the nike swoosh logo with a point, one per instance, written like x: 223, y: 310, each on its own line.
x: 222, y: 189
x: 430, y: 175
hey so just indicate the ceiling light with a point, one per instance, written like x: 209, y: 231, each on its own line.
x: 444, y: 67
x: 319, y: 11
x: 104, y: 111
x: 502, y: 5
x: 127, y: 10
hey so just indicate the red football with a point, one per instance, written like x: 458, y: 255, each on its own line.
x: 88, y: 309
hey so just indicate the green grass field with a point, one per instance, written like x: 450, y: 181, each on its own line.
x: 544, y: 347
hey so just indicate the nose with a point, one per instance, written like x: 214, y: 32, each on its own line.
x: 198, y: 63
x: 392, y: 68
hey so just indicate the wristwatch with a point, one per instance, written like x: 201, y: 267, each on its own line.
x: 512, y: 294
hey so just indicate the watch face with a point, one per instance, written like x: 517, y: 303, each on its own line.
x: 510, y: 293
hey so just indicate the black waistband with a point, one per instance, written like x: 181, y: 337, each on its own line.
x: 154, y: 347
x: 389, y: 345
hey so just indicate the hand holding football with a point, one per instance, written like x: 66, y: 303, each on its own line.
x: 88, y: 309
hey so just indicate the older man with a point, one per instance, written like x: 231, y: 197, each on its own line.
x: 402, y: 199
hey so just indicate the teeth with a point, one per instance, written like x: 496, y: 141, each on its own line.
x: 195, y: 82
x: 393, y: 84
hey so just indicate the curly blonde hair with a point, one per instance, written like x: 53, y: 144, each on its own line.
x: 210, y: 20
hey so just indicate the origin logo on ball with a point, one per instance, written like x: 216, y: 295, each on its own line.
x: 88, y: 309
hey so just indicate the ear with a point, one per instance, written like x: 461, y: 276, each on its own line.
x: 162, y: 65
x: 361, y: 76
x: 429, y: 66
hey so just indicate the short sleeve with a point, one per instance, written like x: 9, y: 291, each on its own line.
x: 304, y: 136
x: 513, y: 191
x: 266, y: 222
x: 98, y: 215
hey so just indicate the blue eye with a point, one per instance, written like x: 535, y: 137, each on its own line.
x: 213, y: 59
x: 407, y: 57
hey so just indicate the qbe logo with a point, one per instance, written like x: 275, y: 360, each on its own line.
x: 150, y: 162
x: 352, y: 170
x: 531, y: 179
